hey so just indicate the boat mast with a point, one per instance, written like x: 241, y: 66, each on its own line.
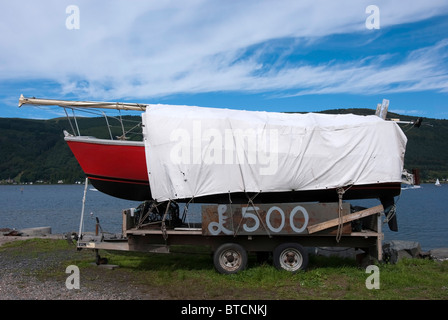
x: 82, y: 104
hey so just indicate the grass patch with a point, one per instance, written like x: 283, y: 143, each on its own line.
x: 34, y: 245
x: 190, y: 275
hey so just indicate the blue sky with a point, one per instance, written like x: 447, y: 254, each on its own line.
x: 253, y: 55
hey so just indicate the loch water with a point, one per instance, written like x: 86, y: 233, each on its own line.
x: 422, y: 213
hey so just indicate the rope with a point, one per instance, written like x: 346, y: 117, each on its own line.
x: 340, y: 192
x: 391, y: 214
x: 163, y: 227
x: 184, y: 214
x: 256, y: 211
x: 231, y: 215
x: 152, y: 205
x: 249, y: 203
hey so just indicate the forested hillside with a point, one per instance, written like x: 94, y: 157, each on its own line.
x: 35, y: 151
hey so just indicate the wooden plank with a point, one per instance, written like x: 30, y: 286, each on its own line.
x: 379, y: 243
x: 381, y: 109
x: 346, y: 218
x: 119, y: 246
x: 366, y: 234
x: 143, y: 232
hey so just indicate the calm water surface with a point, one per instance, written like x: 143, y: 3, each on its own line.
x: 57, y: 206
x: 422, y: 213
x: 422, y: 216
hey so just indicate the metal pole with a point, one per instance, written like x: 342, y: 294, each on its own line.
x: 82, y: 211
x: 83, y: 104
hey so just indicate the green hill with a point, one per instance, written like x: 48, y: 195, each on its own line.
x: 35, y: 151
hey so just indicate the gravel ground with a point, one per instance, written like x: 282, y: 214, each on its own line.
x: 21, y: 278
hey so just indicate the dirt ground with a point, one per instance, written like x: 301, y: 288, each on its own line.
x: 21, y: 277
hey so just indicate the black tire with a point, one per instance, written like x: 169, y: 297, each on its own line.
x: 230, y: 258
x: 291, y: 257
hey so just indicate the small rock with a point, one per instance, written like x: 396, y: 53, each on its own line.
x: 13, y: 233
x: 38, y: 231
x: 439, y: 254
x: 398, y: 249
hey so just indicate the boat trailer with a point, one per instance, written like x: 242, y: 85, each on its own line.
x: 231, y: 231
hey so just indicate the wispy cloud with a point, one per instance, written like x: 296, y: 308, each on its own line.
x: 154, y: 49
x: 422, y: 69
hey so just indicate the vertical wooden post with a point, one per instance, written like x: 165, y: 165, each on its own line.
x: 379, y: 242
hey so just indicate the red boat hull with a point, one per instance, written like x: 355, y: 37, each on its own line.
x: 118, y: 168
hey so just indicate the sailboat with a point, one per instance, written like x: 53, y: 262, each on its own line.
x: 121, y: 168
x: 437, y: 184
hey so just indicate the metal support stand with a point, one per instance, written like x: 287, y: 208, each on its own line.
x: 82, y: 211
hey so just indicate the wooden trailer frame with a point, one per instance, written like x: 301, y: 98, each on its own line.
x: 233, y: 230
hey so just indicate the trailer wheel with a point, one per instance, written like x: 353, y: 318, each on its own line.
x: 291, y: 257
x: 230, y: 258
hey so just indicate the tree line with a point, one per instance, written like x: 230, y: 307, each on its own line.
x: 35, y: 150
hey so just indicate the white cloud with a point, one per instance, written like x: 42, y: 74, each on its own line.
x: 423, y: 69
x: 145, y: 49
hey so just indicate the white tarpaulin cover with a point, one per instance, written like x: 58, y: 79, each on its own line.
x: 196, y: 151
